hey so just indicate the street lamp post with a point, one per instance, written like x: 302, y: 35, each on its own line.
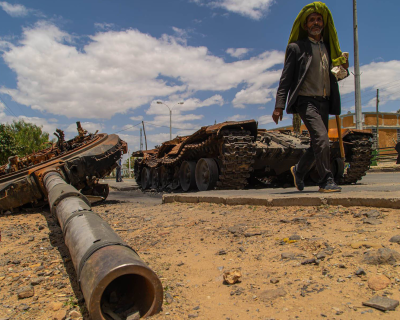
x: 170, y: 117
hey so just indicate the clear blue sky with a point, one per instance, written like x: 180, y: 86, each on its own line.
x: 106, y: 63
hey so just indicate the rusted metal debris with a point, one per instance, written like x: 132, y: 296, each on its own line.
x: 112, y: 277
x: 233, y: 155
x: 84, y: 160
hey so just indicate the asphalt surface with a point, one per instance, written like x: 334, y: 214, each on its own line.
x: 381, y: 189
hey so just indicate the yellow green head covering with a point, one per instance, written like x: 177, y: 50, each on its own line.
x: 329, y: 32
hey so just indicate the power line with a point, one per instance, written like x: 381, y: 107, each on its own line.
x: 128, y: 128
x: 5, y: 104
x: 160, y: 126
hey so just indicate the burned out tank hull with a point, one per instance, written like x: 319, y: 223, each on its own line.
x: 82, y: 163
x: 233, y: 155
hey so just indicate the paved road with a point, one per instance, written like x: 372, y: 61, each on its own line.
x: 375, y: 189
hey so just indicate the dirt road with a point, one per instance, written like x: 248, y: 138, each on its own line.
x: 296, y: 262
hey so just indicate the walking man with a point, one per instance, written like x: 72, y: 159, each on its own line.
x: 311, y: 90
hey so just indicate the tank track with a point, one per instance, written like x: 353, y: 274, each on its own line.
x: 236, y: 157
x: 359, y: 158
x: 233, y: 149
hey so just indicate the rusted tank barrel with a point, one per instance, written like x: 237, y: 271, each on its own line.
x: 115, y: 282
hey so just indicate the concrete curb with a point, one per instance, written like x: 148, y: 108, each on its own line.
x: 393, y: 203
x: 384, y: 169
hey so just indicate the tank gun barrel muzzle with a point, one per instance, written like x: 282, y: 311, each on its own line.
x: 114, y: 280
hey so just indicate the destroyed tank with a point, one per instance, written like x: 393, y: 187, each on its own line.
x: 82, y: 160
x: 233, y: 155
x: 115, y: 282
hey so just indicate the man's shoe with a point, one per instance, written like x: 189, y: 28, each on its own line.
x: 297, y: 181
x: 329, y: 186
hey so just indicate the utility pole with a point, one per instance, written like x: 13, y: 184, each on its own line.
x: 129, y: 164
x: 377, y: 119
x: 141, y: 140
x: 357, y: 70
x: 144, y: 131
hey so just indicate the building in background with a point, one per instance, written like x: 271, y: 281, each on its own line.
x: 388, y: 126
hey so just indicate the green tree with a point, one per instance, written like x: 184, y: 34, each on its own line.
x: 29, y: 137
x: 21, y: 138
x: 8, y: 147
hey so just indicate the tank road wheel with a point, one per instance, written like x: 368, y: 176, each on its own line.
x: 187, y: 175
x: 165, y: 177
x: 155, y: 178
x: 206, y: 174
x: 175, y: 179
x: 145, y: 178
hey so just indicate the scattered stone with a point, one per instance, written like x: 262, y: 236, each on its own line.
x: 180, y: 264
x: 31, y: 238
x: 382, y: 256
x: 300, y: 220
x: 372, y: 214
x: 236, y: 230
x: 196, y: 308
x: 378, y: 282
x: 295, y: 237
x: 23, y: 307
x: 60, y: 315
x: 56, y: 306
x: 221, y: 252
x: 192, y: 315
x: 36, y: 281
x: 41, y: 227
x: 252, y: 234
x: 360, y: 272
x: 321, y: 255
x: 310, y: 261
x: 169, y: 298
x: 233, y: 276
x: 237, y: 292
x: 357, y: 215
x: 15, y: 262
x: 288, y: 255
x: 241, y: 249
x: 372, y: 221
x: 74, y: 314
x: 274, y: 280
x: 272, y: 294
x: 381, y: 303
x: 395, y: 239
x: 25, y: 292
x: 366, y: 244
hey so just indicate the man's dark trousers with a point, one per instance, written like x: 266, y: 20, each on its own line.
x: 314, y: 111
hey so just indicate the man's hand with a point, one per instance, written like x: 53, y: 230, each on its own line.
x: 277, y: 115
x: 346, y: 64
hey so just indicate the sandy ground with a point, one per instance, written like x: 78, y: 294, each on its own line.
x: 191, y: 246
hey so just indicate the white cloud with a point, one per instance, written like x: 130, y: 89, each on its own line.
x: 47, y: 125
x: 254, y: 9
x: 132, y: 140
x: 237, y: 117
x: 265, y: 119
x: 258, y: 90
x: 138, y: 118
x: 14, y: 10
x: 384, y: 76
x: 237, y: 52
x: 122, y: 70
x: 104, y: 26
x: 261, y: 108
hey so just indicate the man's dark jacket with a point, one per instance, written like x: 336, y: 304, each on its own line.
x: 297, y: 61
